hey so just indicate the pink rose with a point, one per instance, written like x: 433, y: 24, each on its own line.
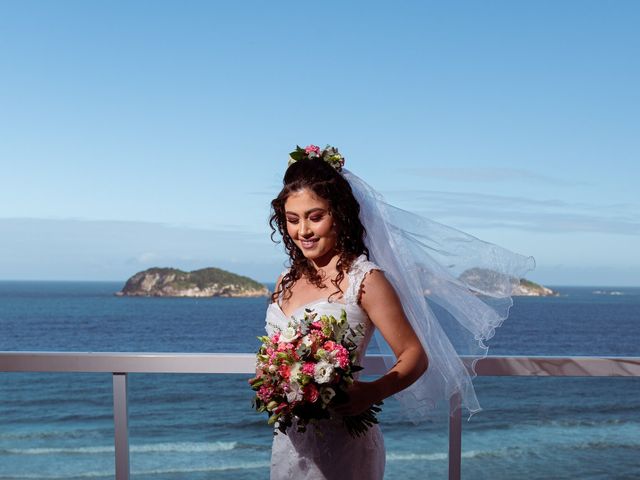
x: 312, y: 148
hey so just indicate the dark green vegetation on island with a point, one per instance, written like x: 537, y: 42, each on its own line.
x: 207, y: 276
x: 206, y: 282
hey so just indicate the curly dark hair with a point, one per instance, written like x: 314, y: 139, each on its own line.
x: 322, y: 179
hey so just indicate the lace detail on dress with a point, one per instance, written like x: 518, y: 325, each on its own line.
x: 359, y: 269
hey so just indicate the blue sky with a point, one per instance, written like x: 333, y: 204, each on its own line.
x: 140, y: 134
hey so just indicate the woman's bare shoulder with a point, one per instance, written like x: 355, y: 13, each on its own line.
x: 376, y: 289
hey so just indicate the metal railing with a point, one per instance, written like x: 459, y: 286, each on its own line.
x: 121, y: 364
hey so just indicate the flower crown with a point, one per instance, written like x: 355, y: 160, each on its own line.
x: 329, y: 155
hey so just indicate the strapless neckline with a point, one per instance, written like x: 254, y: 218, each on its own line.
x: 318, y: 301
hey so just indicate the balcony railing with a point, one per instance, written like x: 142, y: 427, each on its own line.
x: 121, y: 364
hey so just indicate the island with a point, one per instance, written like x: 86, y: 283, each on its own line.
x: 488, y: 280
x: 527, y: 288
x: 206, y: 282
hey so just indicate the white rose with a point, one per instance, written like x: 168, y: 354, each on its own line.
x: 323, y: 372
x: 289, y: 334
x: 307, y: 341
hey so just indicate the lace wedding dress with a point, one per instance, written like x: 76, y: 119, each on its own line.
x: 327, y: 451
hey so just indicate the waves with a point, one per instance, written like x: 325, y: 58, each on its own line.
x: 153, y: 460
x: 150, y: 472
x: 607, y: 433
x: 568, y: 441
x: 56, y: 434
x: 171, y: 447
x: 433, y: 457
x: 412, y: 457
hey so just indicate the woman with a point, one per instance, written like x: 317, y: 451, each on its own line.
x: 317, y: 216
x: 320, y: 214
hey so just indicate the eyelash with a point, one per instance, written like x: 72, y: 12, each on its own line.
x: 313, y: 219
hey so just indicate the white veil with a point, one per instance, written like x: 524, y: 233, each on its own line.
x: 455, y: 290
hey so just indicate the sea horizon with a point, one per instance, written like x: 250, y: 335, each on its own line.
x: 270, y: 284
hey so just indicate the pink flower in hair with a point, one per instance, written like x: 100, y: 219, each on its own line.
x: 312, y: 148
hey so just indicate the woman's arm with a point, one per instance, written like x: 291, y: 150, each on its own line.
x: 381, y: 302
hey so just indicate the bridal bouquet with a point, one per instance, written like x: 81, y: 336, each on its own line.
x: 306, y: 368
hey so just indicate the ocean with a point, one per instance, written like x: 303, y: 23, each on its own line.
x: 60, y: 426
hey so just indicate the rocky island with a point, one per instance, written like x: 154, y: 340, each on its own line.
x: 488, y: 280
x: 206, y: 282
x: 527, y: 288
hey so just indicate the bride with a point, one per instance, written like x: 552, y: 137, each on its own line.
x: 334, y: 227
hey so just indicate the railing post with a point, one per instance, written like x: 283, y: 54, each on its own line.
x: 121, y: 424
x: 455, y: 436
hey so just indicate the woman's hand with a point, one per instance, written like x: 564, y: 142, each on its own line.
x: 361, y: 396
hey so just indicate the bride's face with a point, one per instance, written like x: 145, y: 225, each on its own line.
x: 310, y: 225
